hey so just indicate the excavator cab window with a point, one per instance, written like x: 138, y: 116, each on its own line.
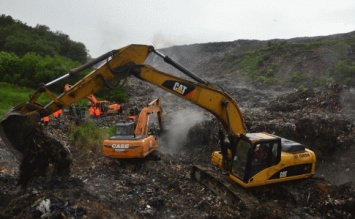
x: 264, y: 154
x: 251, y: 158
x: 103, y: 106
x: 240, y: 158
x: 260, y: 154
x: 275, y: 153
x: 260, y: 157
x: 125, y: 129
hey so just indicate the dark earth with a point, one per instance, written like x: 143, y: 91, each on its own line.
x: 100, y: 187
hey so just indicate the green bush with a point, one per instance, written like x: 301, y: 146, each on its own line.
x: 344, y: 70
x: 118, y: 94
x: 302, y: 88
x: 87, y: 137
x: 297, y: 76
x: 323, y: 80
x: 266, y: 80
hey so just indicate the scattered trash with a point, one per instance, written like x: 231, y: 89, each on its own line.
x: 100, y: 187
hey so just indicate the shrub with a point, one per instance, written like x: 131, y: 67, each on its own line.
x: 87, y: 137
x: 324, y: 80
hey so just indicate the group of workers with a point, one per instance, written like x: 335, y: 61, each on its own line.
x: 56, y: 115
x: 94, y: 111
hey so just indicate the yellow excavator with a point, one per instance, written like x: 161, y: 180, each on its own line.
x: 135, y: 139
x: 283, y: 160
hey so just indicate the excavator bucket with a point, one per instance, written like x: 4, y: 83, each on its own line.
x: 17, y: 129
x: 20, y: 130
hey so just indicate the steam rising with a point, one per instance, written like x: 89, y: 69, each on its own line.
x: 164, y: 40
x: 178, y: 127
x: 348, y: 103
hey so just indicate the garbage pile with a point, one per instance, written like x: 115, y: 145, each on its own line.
x: 101, y: 187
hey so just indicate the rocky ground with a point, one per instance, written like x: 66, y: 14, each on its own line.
x: 101, y: 187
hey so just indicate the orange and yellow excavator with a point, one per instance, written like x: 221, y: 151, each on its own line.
x: 100, y: 107
x: 103, y: 107
x: 135, y: 139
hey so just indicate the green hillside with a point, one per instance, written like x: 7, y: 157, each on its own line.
x: 33, y: 55
x: 13, y: 95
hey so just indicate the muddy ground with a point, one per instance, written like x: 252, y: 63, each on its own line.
x: 101, y: 187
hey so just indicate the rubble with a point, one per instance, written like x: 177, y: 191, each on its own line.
x: 101, y: 187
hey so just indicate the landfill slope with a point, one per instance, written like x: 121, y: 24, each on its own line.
x: 101, y: 187
x: 321, y: 118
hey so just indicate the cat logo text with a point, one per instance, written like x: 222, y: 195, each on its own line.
x: 180, y: 88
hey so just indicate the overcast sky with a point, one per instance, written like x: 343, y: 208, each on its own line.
x: 110, y: 24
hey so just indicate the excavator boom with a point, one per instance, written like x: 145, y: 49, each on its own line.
x: 215, y: 101
x: 153, y: 106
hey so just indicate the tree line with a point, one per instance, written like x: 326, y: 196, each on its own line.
x: 33, y: 55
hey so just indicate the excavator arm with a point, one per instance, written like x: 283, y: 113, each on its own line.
x: 142, y: 122
x: 215, y: 101
x: 20, y: 122
x: 92, y: 99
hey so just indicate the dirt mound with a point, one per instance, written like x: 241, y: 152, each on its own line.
x: 46, y: 156
x: 313, y: 117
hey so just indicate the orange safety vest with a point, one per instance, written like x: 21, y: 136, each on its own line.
x: 97, y: 112
x: 91, y: 111
x: 132, y: 117
x: 60, y: 112
x: 46, y: 119
x: 56, y: 114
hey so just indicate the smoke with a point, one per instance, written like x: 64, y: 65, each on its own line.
x: 178, y: 127
x: 348, y: 110
x: 348, y: 103
x: 340, y: 169
x: 161, y: 40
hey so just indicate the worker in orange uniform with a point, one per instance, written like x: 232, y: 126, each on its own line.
x: 57, y: 113
x: 133, y: 118
x: 132, y: 113
x: 97, y: 112
x: 91, y: 111
x: 46, y: 120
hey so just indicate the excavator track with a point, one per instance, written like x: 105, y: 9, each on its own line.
x: 262, y: 202
x: 223, y: 186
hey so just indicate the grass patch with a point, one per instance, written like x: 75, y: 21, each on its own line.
x: 13, y: 95
x: 345, y: 71
x: 323, y: 80
x: 258, y: 65
x: 297, y: 78
x: 87, y: 137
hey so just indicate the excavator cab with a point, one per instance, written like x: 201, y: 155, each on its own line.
x: 254, y: 154
x: 125, y: 129
x: 262, y: 158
